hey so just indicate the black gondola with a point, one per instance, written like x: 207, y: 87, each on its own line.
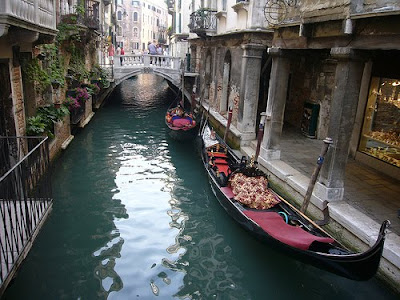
x: 242, y: 190
x: 181, y: 124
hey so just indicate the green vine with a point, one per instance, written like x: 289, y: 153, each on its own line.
x: 56, y: 62
x: 77, y: 64
x: 37, y: 75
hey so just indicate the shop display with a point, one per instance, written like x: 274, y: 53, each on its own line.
x: 380, y: 136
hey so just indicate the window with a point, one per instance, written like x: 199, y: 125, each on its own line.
x: 379, y: 136
x: 135, y: 32
x: 119, y: 15
x: 119, y: 30
x: 135, y: 16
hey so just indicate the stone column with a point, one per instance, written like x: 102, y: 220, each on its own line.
x: 343, y: 109
x: 277, y: 92
x: 249, y: 90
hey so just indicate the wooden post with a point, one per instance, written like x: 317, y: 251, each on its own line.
x: 228, y: 124
x: 260, y: 134
x: 314, y: 175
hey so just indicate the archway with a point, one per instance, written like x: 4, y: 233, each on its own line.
x: 226, y: 78
x: 265, y: 75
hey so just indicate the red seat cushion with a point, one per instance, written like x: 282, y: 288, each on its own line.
x: 217, y: 154
x: 273, y: 224
x: 181, y: 122
x: 227, y: 192
x: 220, y: 161
x: 223, y: 168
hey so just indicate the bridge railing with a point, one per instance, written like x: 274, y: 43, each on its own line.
x: 147, y: 60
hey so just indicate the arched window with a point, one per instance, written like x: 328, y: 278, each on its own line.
x: 119, y: 15
x: 135, y: 32
x: 135, y: 16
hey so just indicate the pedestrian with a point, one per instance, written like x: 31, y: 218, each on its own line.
x: 159, y: 52
x: 118, y: 51
x: 122, y: 55
x: 152, y: 50
x: 111, y: 53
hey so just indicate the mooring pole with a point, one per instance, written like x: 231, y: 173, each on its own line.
x: 328, y: 141
x: 260, y: 134
x: 228, y: 124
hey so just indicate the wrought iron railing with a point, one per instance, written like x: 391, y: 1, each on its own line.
x: 25, y: 198
x: 89, y: 17
x: 203, y: 21
x: 92, y: 20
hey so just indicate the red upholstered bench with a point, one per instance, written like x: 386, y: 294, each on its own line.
x: 220, y: 161
x: 223, y: 168
x: 275, y: 226
x: 216, y: 154
x: 227, y: 192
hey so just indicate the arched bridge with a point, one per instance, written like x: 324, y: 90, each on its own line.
x: 126, y: 66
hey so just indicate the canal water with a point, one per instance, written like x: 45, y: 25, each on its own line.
x: 134, y: 218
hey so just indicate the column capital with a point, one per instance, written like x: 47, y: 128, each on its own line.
x: 275, y: 51
x: 253, y: 47
x: 4, y: 29
x: 253, y: 50
x: 346, y: 53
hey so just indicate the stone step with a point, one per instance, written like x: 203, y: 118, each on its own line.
x: 248, y: 151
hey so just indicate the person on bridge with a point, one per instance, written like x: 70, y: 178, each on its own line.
x: 152, y: 50
x: 122, y: 54
x: 159, y: 52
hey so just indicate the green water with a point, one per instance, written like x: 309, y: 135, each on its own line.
x: 134, y: 217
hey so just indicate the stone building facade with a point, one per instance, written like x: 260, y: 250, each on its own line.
x: 323, y: 68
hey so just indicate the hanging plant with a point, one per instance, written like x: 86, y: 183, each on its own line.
x: 43, y: 122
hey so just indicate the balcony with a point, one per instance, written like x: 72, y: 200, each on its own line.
x: 203, y: 22
x: 92, y: 20
x: 25, y: 199
x: 32, y: 15
x: 87, y: 15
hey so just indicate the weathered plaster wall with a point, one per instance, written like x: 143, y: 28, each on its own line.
x: 312, y: 80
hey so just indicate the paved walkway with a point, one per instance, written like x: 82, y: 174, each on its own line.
x: 369, y: 191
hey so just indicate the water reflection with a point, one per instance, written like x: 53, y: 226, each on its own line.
x: 134, y: 217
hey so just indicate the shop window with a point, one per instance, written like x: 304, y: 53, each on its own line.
x: 380, y: 136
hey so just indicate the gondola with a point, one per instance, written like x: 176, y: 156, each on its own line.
x: 181, y: 124
x: 242, y: 190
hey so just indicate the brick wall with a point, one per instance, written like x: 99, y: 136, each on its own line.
x: 18, y: 100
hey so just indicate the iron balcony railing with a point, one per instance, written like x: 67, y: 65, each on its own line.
x: 25, y: 198
x: 203, y: 21
x: 90, y: 16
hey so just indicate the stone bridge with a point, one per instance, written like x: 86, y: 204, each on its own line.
x: 127, y: 66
